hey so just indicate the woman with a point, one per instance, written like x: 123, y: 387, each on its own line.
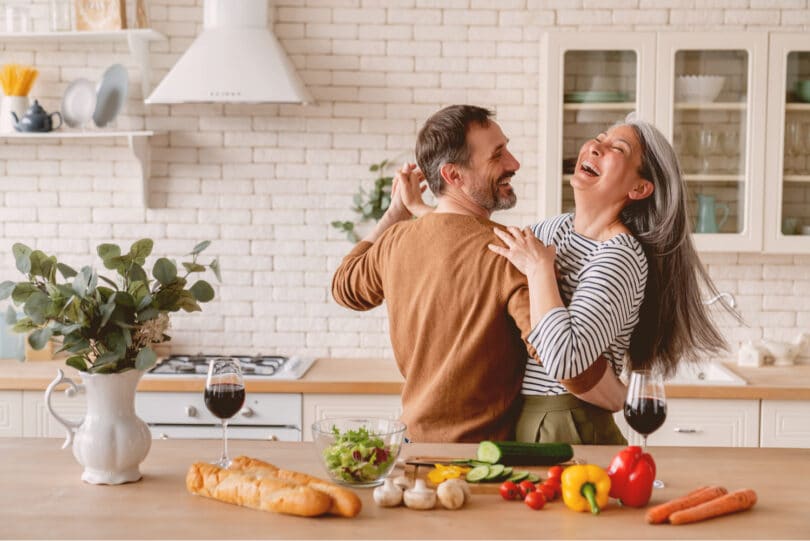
x: 629, y: 282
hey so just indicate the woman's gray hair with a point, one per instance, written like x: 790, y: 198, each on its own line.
x: 674, y: 324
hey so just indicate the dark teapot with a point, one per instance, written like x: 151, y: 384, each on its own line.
x: 36, y: 119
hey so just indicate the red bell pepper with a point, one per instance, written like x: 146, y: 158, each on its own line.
x: 632, y: 473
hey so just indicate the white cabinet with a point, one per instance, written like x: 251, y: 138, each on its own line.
x: 37, y: 420
x: 11, y: 408
x: 323, y: 406
x: 695, y: 422
x: 787, y: 166
x: 785, y: 423
x: 722, y: 138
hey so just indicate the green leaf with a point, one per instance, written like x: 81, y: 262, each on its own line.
x: 145, y: 301
x: 115, y: 286
x: 6, y: 288
x: 200, y: 247
x: 140, y: 250
x: 194, y: 267
x: 11, y: 315
x: 22, y: 291
x: 202, y: 291
x: 39, y: 338
x: 164, y: 271
x: 106, y: 310
x: 79, y: 346
x: 146, y: 359
x: 188, y: 303
x: 66, y: 271
x: 107, y: 358
x: 215, y: 268
x: 24, y: 325
x: 22, y: 257
x: 37, y: 257
x: 108, y: 251
x: 122, y: 298
x: 36, y: 306
x: 149, y: 313
x: 82, y: 282
x: 137, y: 274
x: 77, y: 362
x: 63, y: 329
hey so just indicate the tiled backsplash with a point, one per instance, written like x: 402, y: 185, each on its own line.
x: 264, y: 181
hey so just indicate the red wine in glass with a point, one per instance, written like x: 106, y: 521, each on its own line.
x: 224, y: 396
x: 645, y: 408
x: 224, y: 400
x: 645, y: 415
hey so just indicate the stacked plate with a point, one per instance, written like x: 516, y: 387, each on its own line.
x: 83, y: 100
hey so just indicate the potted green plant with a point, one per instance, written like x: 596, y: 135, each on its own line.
x: 369, y: 205
x: 108, y: 326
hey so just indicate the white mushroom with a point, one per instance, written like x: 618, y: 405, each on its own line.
x: 420, y: 496
x: 403, y: 482
x: 388, y: 494
x: 451, y: 495
x: 463, y: 485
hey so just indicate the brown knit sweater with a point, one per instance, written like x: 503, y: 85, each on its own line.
x: 459, y: 316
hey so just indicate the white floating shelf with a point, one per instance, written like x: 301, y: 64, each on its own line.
x: 137, y: 38
x: 138, y: 144
x: 711, y: 106
x: 714, y: 178
x: 600, y: 106
x: 797, y: 106
x: 797, y: 178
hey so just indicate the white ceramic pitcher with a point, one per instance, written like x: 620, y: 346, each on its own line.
x: 111, y: 441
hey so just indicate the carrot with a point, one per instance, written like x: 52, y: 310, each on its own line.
x: 660, y: 513
x: 730, y: 503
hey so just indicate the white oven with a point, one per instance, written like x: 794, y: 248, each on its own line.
x: 266, y: 416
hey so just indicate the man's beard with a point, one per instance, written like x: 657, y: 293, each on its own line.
x: 491, y: 200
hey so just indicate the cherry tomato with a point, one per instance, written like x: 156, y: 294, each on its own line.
x: 555, y: 472
x: 509, y: 490
x: 555, y: 484
x: 548, y: 491
x: 535, y: 500
x: 526, y: 487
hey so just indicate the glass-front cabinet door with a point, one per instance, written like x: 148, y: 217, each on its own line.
x: 787, y: 178
x: 593, y: 81
x: 710, y: 103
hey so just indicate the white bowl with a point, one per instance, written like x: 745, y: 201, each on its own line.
x: 698, y: 88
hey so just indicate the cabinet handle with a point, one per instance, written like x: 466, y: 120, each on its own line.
x: 191, y: 411
x: 164, y: 436
x: 272, y: 437
x: 246, y: 412
x: 687, y: 430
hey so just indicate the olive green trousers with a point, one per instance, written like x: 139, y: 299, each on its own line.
x: 566, y: 419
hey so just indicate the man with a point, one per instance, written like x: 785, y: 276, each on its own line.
x: 458, y: 313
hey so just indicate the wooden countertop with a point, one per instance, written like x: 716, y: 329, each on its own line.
x: 379, y: 376
x: 42, y: 496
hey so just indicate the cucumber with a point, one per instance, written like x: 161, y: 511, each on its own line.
x: 478, y: 473
x: 495, y: 471
x: 514, y: 453
x: 533, y: 478
x: 518, y: 476
x: 507, y: 472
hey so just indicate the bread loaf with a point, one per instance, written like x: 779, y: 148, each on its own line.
x: 266, y: 492
x: 345, y: 503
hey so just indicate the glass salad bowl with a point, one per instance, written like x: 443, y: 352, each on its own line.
x: 358, y: 451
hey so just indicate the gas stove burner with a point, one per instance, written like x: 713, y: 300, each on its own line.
x: 258, y: 366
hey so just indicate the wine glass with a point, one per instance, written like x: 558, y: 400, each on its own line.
x: 645, y: 407
x: 224, y: 396
x: 709, y: 140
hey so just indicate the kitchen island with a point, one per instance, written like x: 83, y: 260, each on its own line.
x: 43, y: 497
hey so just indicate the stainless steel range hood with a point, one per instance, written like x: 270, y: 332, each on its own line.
x: 236, y: 59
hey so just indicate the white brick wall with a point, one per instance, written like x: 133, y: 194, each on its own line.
x: 264, y: 181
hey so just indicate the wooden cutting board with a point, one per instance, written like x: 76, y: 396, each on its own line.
x: 413, y: 471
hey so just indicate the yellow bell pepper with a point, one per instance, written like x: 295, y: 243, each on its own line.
x: 441, y: 473
x: 585, y: 487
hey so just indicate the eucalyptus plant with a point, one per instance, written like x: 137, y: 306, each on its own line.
x: 107, y: 325
x: 369, y: 205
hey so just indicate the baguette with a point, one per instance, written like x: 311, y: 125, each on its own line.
x: 265, y: 493
x: 345, y: 503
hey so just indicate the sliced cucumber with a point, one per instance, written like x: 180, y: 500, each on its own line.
x: 518, y: 476
x: 488, y: 452
x: 475, y: 463
x: 495, y: 471
x: 507, y: 471
x: 478, y: 473
x: 533, y: 478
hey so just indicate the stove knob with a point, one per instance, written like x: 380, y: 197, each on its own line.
x: 164, y: 436
x: 191, y: 411
x: 246, y: 412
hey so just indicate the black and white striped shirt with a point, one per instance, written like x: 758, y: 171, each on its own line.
x: 602, y: 285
